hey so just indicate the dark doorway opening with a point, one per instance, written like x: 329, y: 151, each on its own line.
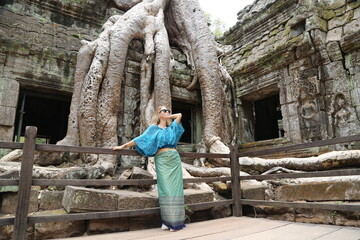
x: 48, y: 113
x: 187, y: 116
x: 268, y: 118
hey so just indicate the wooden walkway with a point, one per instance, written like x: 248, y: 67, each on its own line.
x: 241, y: 228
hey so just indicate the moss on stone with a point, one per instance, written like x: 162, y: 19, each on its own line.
x: 328, y: 14
x: 249, y: 47
x: 340, y: 11
x: 287, y: 30
x: 296, y: 39
x: 274, y: 32
x: 73, y: 1
x: 337, y: 4
x: 354, y: 5
x: 318, y: 23
x: 246, y: 54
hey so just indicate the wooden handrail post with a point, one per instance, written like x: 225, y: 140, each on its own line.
x: 23, y: 197
x: 235, y: 181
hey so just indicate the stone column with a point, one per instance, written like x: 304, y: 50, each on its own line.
x: 9, y: 92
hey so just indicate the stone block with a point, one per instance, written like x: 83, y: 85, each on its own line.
x: 9, y: 85
x: 315, y: 22
x: 320, y: 191
x: 9, y: 201
x: 335, y: 4
x: 333, y: 70
x: 356, y: 13
x: 334, y: 34
x: 6, y: 133
x: 341, y: 20
x: 7, y: 116
x: 62, y: 229
x: 79, y: 199
x: 197, y: 196
x: 50, y: 200
x: 352, y: 27
x: 221, y: 187
x: 124, y: 176
x: 334, y: 51
x: 9, y: 98
x: 139, y: 173
x: 182, y: 94
x: 134, y: 200
x: 253, y: 192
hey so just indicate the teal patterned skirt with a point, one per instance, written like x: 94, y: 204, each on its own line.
x: 170, y: 189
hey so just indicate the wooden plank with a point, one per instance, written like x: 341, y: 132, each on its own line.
x: 207, y: 179
x: 206, y: 205
x: 245, y: 229
x: 347, y: 172
x: 343, y: 233
x: 62, y: 148
x: 191, y: 231
x: 23, y: 197
x: 292, y: 231
x: 237, y: 228
x: 95, y: 215
x: 204, y: 155
x: 235, y: 181
x: 7, y: 221
x: 11, y: 145
x: 319, y: 143
x: 9, y: 182
x: 312, y: 205
x: 102, y: 182
x: 92, y: 182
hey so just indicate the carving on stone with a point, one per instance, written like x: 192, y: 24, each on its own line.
x: 340, y: 114
x: 309, y: 113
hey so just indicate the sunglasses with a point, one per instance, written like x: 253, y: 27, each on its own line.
x: 164, y: 111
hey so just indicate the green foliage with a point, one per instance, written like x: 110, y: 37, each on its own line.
x: 188, y: 213
x: 78, y: 35
x: 3, y: 152
x: 216, y: 26
x: 37, y: 140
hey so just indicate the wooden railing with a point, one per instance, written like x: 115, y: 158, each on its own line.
x: 21, y: 219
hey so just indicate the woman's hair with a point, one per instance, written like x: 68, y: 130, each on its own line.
x: 156, y: 117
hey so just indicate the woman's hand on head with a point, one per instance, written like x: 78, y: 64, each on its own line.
x: 176, y: 116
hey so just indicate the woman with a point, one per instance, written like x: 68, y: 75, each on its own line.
x: 160, y: 140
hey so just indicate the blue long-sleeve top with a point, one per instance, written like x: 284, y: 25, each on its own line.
x: 156, y: 137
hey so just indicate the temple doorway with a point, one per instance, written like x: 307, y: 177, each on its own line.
x: 187, y: 112
x: 47, y: 112
x: 268, y: 118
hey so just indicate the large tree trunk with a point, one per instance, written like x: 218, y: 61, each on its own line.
x: 192, y: 28
x: 100, y: 73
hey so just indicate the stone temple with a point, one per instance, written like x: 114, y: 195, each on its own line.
x: 295, y: 65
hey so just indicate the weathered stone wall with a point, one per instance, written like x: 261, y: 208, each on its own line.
x: 39, y: 43
x: 308, y: 53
